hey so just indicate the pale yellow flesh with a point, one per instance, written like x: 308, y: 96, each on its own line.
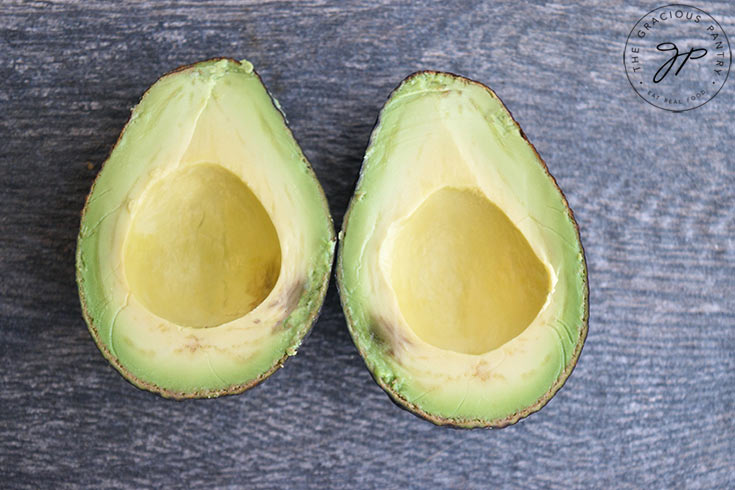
x: 465, y: 277
x: 201, y: 250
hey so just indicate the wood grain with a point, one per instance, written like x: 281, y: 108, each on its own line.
x: 651, y: 402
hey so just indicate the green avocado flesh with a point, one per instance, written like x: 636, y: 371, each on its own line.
x: 460, y: 268
x: 206, y: 243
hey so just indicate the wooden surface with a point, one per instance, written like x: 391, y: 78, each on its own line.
x: 652, y: 401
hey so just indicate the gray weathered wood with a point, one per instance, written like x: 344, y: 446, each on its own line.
x: 651, y: 402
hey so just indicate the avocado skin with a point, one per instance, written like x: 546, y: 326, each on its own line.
x: 394, y: 396
x: 235, y: 389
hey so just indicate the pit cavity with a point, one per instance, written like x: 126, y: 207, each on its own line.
x: 201, y: 249
x: 465, y: 277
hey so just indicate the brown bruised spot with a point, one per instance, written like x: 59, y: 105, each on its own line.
x: 148, y: 352
x: 512, y: 349
x: 391, y: 338
x: 483, y: 372
x: 221, y: 351
x: 193, y: 344
x: 256, y: 321
x: 288, y: 302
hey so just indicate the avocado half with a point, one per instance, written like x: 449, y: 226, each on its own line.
x: 460, y: 268
x: 206, y: 242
